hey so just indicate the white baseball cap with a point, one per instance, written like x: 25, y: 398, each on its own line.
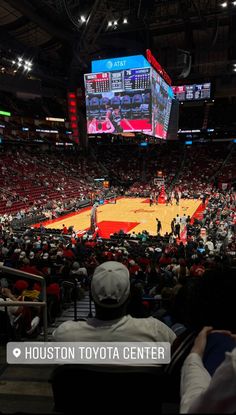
x: 110, y: 281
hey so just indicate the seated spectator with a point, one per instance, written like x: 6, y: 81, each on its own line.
x: 199, y: 392
x: 110, y: 289
x: 26, y: 317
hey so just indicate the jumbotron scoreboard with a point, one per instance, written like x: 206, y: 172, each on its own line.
x: 127, y: 95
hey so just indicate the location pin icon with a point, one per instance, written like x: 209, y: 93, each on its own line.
x: 16, y: 352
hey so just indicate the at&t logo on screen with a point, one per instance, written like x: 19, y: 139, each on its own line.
x: 116, y: 64
x: 124, y: 62
x: 109, y: 64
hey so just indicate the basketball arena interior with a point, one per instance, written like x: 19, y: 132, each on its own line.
x: 117, y: 206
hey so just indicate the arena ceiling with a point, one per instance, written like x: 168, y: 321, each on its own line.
x: 52, y: 33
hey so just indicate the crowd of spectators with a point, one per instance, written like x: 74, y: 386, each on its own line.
x: 35, y: 180
x: 32, y: 180
x: 155, y: 263
x: 201, y: 163
x: 185, y: 285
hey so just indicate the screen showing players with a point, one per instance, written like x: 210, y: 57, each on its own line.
x: 118, y: 101
x: 161, y: 105
x: 193, y: 92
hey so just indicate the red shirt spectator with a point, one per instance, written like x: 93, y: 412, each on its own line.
x: 68, y: 253
x: 197, y: 270
x: 64, y: 230
x: 165, y: 260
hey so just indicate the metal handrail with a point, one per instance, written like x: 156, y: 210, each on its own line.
x: 42, y: 303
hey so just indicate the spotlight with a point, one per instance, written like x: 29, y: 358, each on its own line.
x: 110, y: 24
x: 234, y: 69
x: 83, y: 20
x: 125, y: 21
x: 225, y: 4
x: 13, y: 62
x: 234, y: 3
x: 19, y: 64
x: 115, y: 23
x: 20, y: 59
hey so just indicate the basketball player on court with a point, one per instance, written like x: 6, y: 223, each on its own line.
x: 93, y: 217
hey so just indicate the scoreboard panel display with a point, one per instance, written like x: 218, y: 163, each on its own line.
x: 194, y: 92
x: 137, y: 79
x: 97, y: 83
x: 161, y: 105
x: 117, y: 81
x: 118, y: 101
x: 127, y: 101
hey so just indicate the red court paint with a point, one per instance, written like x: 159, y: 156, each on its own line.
x: 107, y: 227
x: 198, y: 214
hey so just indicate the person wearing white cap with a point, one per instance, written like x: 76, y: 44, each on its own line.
x: 110, y: 289
x: 31, y: 255
x: 22, y: 255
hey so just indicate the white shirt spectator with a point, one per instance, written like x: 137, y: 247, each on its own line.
x: 210, y: 246
x: 125, y: 329
x: 202, y: 394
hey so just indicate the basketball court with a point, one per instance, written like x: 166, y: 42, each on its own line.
x: 128, y: 214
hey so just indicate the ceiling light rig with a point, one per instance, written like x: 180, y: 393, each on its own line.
x: 113, y: 24
x: 25, y: 64
x: 83, y: 19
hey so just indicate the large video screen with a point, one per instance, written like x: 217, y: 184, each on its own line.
x: 193, y: 92
x: 161, y: 105
x: 118, y: 101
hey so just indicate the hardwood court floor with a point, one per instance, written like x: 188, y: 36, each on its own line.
x: 129, y: 214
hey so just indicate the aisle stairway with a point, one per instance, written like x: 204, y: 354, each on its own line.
x: 25, y: 388
x: 83, y: 310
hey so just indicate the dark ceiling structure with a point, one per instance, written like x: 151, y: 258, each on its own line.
x: 192, y: 39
